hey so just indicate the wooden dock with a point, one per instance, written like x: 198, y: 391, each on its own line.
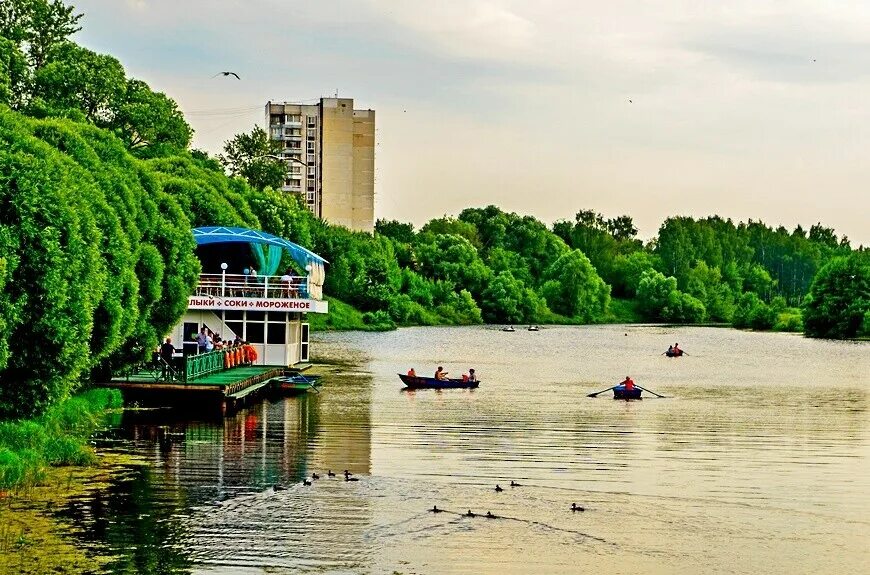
x: 226, y: 390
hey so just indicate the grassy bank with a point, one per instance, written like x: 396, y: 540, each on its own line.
x: 58, y: 437
x: 344, y: 317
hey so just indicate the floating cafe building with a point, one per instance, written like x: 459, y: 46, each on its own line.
x: 256, y: 288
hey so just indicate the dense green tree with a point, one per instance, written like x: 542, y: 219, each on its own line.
x: 37, y: 26
x: 752, y: 312
x: 627, y: 270
x: 572, y: 288
x: 149, y: 122
x: 13, y: 73
x: 448, y: 225
x: 78, y: 81
x: 508, y: 300
x: 653, y: 293
x: 706, y: 284
x: 248, y: 155
x: 839, y: 300
x: 455, y: 260
x: 403, y: 233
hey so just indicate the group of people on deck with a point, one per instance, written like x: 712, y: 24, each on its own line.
x: 441, y: 375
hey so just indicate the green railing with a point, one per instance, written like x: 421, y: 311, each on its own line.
x: 203, y: 364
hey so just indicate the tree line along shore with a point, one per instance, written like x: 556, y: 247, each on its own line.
x: 99, y: 190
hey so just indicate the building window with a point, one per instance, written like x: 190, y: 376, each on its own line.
x: 311, y: 133
x: 276, y: 119
x: 296, y: 170
x: 310, y: 158
x: 312, y: 121
x: 276, y: 133
x: 312, y: 171
x: 292, y: 131
x: 310, y: 197
x: 294, y: 118
x: 294, y: 183
x: 310, y: 146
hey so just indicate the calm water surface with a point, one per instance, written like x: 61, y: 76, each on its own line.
x: 757, y: 462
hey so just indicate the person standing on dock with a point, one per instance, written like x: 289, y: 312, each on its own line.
x: 167, y: 350
x: 202, y: 340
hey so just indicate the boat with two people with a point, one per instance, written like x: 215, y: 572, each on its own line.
x: 674, y: 351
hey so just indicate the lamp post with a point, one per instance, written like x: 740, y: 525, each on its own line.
x: 224, y: 267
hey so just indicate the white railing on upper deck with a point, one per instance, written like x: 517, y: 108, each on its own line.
x: 266, y: 287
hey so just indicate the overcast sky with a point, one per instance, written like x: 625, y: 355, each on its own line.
x: 746, y: 109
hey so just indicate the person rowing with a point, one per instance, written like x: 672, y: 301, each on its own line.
x: 440, y: 374
x: 628, y: 383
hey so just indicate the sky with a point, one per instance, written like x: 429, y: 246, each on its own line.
x: 744, y: 109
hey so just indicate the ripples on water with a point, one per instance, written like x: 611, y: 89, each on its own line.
x: 756, y: 463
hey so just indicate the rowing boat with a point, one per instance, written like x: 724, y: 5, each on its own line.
x: 297, y: 382
x: 619, y: 392
x: 418, y: 382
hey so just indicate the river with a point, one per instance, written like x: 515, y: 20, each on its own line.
x: 758, y: 461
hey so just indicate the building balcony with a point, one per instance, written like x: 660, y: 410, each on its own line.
x: 240, y: 292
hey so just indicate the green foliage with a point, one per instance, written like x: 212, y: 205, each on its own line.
x: 252, y: 156
x: 38, y: 25
x: 573, y: 288
x: 378, y: 320
x: 13, y: 73
x: 508, y: 300
x: 58, y: 437
x: 752, y: 312
x: 659, y: 299
x: 401, y: 232
x: 148, y: 122
x: 839, y: 300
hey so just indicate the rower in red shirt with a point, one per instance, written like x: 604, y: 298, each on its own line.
x: 628, y: 383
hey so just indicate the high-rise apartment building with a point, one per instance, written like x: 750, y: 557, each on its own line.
x: 330, y: 148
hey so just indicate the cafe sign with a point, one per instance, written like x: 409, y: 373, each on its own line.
x: 257, y: 304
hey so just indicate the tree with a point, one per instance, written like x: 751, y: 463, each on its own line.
x: 839, y: 300
x: 76, y: 80
x: 653, y: 293
x: 38, y: 26
x: 245, y: 156
x: 13, y: 73
x: 399, y: 231
x: 573, y: 288
x: 146, y: 119
x: 508, y: 300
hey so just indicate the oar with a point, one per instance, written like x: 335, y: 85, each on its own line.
x: 648, y: 391
x: 602, y: 391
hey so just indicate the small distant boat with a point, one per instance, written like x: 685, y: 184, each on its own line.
x: 673, y: 354
x: 534, y: 328
x: 508, y: 328
x: 418, y: 382
x: 620, y: 393
x: 297, y: 382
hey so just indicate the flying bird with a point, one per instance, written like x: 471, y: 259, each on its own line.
x: 228, y: 74
x: 629, y: 102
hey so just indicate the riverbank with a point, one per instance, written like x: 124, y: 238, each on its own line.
x: 35, y: 539
x: 59, y: 437
x: 344, y: 317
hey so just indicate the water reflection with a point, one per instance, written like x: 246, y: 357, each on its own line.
x: 756, y: 462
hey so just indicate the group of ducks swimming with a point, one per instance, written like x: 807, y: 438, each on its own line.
x: 348, y: 476
x: 489, y: 514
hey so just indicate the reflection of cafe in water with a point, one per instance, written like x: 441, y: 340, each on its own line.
x: 257, y: 288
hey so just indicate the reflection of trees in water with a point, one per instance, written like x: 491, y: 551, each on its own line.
x: 136, y: 518
x: 144, y: 515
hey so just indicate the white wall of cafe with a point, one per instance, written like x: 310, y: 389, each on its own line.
x: 279, y: 337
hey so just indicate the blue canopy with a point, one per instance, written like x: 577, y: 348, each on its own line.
x: 221, y: 234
